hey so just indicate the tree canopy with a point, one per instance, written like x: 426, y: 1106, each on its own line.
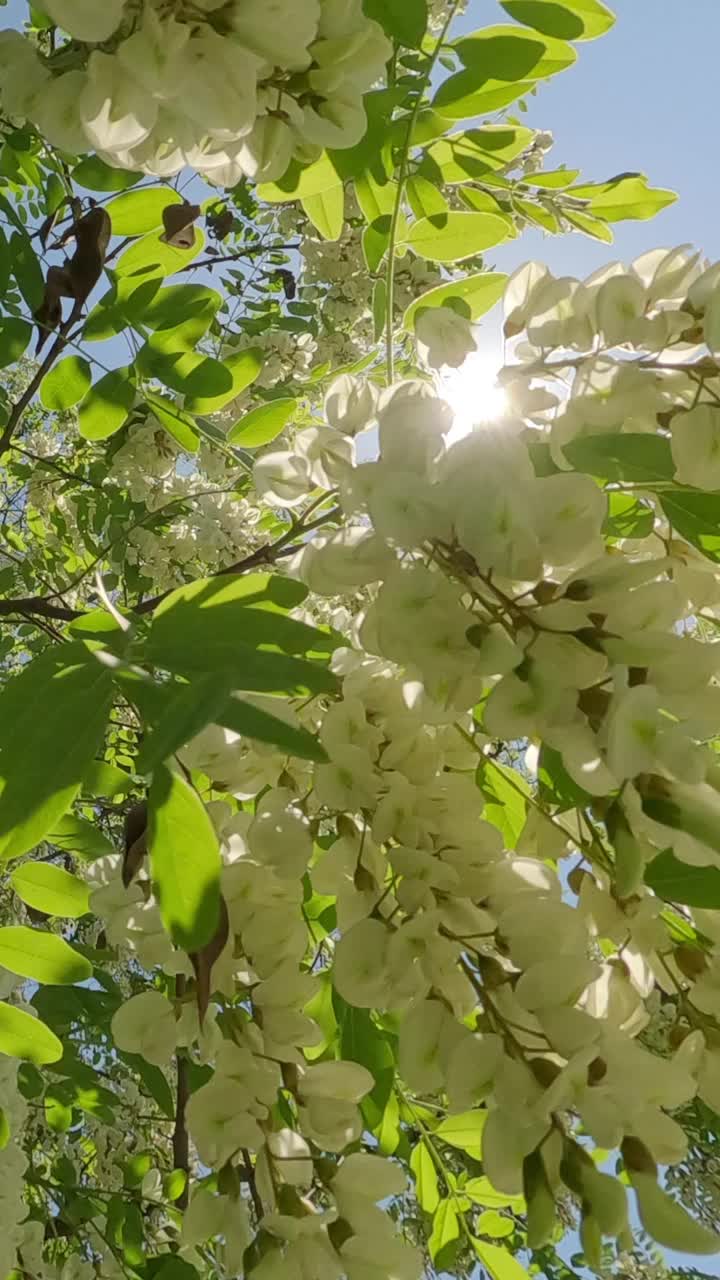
x: 359, y: 783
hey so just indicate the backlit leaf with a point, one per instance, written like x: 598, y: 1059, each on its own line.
x: 184, y: 860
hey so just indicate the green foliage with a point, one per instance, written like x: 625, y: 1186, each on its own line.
x: 184, y: 860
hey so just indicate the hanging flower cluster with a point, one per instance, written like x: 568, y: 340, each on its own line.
x: 223, y: 86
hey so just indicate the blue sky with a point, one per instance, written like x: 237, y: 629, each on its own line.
x: 643, y: 97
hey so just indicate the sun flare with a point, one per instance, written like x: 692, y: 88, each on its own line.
x: 473, y: 394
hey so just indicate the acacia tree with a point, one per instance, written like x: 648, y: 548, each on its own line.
x: 359, y: 805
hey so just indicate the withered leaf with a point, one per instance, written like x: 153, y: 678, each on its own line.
x: 178, y: 223
x: 135, y: 841
x: 203, y: 961
x: 220, y: 224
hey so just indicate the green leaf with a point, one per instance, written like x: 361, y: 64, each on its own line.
x: 43, y: 957
x: 402, y: 20
x: 589, y: 225
x: 189, y: 710
x: 106, y: 405
x: 174, y: 1184
x: 256, y: 722
x: 184, y: 861
x: 498, y: 1262
x: 243, y: 368
x: 14, y: 337
x: 464, y: 1131
x: 475, y: 153
x: 504, y: 54
x: 204, y: 621
x: 695, y: 516
x: 445, y: 1228
x: 555, y: 786
x: 151, y: 256
x: 298, y: 184
x: 63, y: 696
x: 4, y: 1130
x: 481, y: 1191
x: 263, y: 424
x: 94, y: 174
x: 628, y: 516
x: 452, y: 237
x: 27, y: 269
x: 154, y: 1081
x: 505, y: 807
x: 459, y: 98
x: 478, y: 292
x: 676, y: 881
x: 140, y: 211
x: 66, y: 384
x: 58, y: 1114
x: 185, y: 308
x: 492, y: 1223
x: 179, y: 424
x: 23, y: 1036
x: 635, y: 457
x: 374, y: 198
x: 426, y: 1180
x: 326, y: 211
x: 51, y: 889
x: 190, y: 373
x: 624, y: 197
x: 375, y: 240
x: 103, y: 779
x: 565, y: 19
x: 123, y: 306
x: 425, y: 198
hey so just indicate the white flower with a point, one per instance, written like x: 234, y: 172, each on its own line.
x: 282, y: 478
x: 115, y: 111
x: 85, y: 19
x: 279, y: 32
x: 145, y: 1024
x: 695, y: 446
x: 350, y: 404
x: 444, y: 336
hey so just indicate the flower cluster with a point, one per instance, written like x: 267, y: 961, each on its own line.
x: 223, y: 87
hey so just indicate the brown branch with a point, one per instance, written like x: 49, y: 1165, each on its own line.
x: 180, y: 1142
x: 266, y: 555
x: 21, y: 405
x: 254, y: 1193
x: 41, y: 606
x: 248, y: 251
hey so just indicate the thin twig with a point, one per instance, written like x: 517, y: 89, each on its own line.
x: 254, y: 1193
x: 180, y: 1142
x: 21, y: 405
x: 248, y: 251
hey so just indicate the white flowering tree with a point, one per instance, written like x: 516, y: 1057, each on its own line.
x: 359, y: 783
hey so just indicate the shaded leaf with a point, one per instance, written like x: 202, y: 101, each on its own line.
x: 63, y: 687
x: 184, y: 861
x: 106, y: 405
x: 677, y: 881
x: 65, y: 384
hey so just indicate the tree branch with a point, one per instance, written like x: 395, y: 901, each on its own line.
x: 268, y: 554
x: 180, y: 1142
x: 248, y: 251
x: 21, y: 405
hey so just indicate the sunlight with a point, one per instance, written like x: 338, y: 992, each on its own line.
x: 473, y: 394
